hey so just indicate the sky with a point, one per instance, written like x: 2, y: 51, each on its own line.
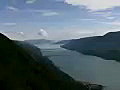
x: 58, y: 19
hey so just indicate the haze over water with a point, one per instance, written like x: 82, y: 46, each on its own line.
x: 85, y: 68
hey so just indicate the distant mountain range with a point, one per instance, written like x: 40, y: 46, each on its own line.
x: 106, y: 46
x: 62, y: 42
x: 45, y: 41
x: 22, y: 67
x: 40, y: 41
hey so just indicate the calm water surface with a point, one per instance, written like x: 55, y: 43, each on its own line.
x: 85, y: 68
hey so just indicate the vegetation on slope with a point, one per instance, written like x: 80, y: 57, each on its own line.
x: 106, y: 47
x: 20, y: 71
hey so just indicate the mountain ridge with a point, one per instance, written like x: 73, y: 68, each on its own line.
x: 23, y: 69
x: 40, y: 41
x: 106, y: 46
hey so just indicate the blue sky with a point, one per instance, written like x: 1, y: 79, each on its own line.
x: 58, y: 19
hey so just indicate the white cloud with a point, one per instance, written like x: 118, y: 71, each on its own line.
x: 50, y: 13
x: 95, y: 4
x: 88, y: 19
x: 103, y: 13
x: 11, y: 8
x: 110, y: 17
x: 21, y: 34
x: 30, y: 1
x: 107, y: 15
x: 44, y: 12
x: 43, y: 33
x: 9, y: 24
x: 37, y: 10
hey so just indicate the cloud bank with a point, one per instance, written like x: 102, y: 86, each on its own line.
x: 95, y: 4
x: 9, y: 24
x: 50, y: 13
x: 43, y: 33
x: 11, y: 8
